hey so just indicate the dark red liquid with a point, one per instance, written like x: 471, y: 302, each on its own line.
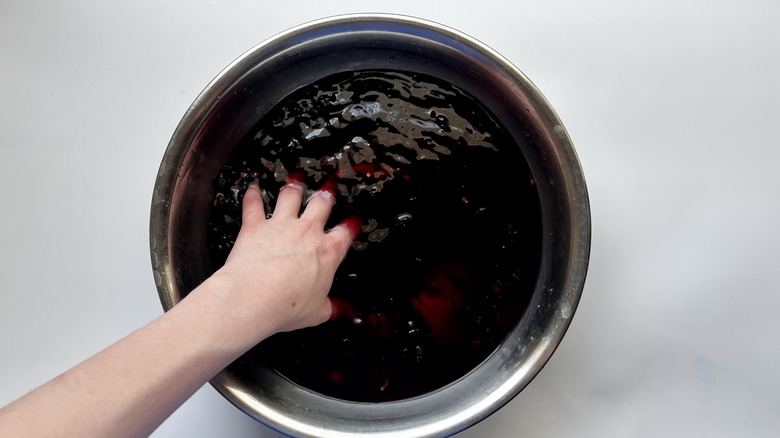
x: 449, y: 253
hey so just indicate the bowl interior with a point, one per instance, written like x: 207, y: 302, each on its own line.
x: 251, y: 86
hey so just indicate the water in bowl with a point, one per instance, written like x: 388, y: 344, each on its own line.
x: 449, y: 253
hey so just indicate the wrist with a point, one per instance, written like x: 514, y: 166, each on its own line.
x: 227, y: 317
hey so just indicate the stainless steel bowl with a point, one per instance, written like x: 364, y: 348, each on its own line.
x: 242, y: 93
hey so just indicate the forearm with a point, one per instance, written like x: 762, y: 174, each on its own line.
x: 129, y: 388
x: 276, y: 278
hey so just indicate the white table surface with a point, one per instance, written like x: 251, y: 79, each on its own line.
x: 674, y: 108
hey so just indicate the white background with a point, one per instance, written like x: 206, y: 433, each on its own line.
x: 674, y: 107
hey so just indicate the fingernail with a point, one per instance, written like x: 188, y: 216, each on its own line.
x: 325, y: 194
x: 296, y: 176
x: 326, y: 191
x: 293, y: 185
x: 354, y: 225
x: 330, y: 185
x: 294, y: 180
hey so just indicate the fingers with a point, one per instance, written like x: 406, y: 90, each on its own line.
x: 344, y: 234
x: 318, y: 209
x: 320, y: 204
x: 288, y: 204
x: 252, y: 208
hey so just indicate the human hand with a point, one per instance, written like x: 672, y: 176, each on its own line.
x: 276, y: 278
x: 280, y: 269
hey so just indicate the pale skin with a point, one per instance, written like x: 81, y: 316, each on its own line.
x: 276, y: 279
